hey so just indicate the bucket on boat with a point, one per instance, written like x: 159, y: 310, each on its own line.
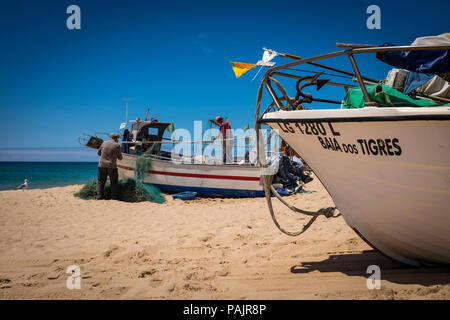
x: 187, y: 195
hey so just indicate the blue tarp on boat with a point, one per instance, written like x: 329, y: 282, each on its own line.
x: 423, y: 61
x: 415, y: 80
x: 429, y: 61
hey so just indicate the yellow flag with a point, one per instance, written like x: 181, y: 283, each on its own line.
x: 240, y: 68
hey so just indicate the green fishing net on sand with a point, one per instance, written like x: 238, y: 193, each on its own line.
x: 130, y: 189
x: 143, y: 190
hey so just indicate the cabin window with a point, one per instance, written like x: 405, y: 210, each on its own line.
x: 167, y: 147
x: 152, y: 131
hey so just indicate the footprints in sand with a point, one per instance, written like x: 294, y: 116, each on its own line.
x: 31, y: 284
x: 5, y: 283
x: 245, y: 237
x: 113, y: 292
x: 110, y: 251
x: 223, y: 273
x: 171, y: 286
x: 147, y: 273
x: 440, y: 292
x: 352, y: 241
x: 206, y: 266
x: 206, y: 238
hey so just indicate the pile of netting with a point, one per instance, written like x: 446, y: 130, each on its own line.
x: 147, y: 191
x: 130, y: 189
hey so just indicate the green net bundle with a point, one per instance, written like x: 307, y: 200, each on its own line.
x: 130, y: 189
x: 148, y: 191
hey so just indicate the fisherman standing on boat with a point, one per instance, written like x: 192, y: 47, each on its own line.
x: 135, y: 128
x: 109, y: 152
x: 227, y: 139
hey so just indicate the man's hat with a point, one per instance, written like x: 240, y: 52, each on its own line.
x: 114, y: 135
x: 219, y: 118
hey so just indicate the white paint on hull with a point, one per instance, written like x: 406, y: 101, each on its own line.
x: 233, y: 177
x: 399, y: 202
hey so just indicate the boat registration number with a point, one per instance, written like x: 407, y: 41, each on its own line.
x: 329, y: 137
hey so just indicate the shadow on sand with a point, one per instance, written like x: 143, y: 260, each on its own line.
x: 355, y: 264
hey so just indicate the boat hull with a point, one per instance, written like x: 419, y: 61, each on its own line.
x: 387, y: 170
x: 205, y: 179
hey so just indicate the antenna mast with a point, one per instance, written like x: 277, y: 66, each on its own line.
x: 126, y: 111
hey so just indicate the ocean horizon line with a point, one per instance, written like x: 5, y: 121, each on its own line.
x: 54, y: 154
x: 45, y: 148
x: 45, y: 174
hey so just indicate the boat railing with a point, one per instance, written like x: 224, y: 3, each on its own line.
x: 184, y: 141
x: 239, y: 161
x: 202, y: 159
x: 350, y: 50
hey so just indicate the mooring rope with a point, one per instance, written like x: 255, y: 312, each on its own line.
x: 267, y: 179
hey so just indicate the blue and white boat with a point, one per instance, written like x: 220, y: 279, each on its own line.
x: 206, y: 177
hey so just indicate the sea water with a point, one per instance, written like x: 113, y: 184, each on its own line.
x: 45, y: 174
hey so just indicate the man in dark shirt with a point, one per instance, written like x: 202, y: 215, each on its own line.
x: 109, y: 152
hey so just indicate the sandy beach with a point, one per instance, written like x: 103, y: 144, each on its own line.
x: 200, y: 249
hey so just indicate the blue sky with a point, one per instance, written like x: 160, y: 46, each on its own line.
x: 170, y: 56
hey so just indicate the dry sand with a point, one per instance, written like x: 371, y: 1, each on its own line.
x: 200, y: 249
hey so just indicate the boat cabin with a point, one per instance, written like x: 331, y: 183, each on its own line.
x: 143, y: 133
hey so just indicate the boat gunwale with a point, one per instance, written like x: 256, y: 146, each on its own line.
x: 426, y: 117
x: 234, y: 165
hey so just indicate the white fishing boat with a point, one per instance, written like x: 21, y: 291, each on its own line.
x: 205, y: 179
x: 226, y: 180
x: 386, y: 165
x: 173, y: 173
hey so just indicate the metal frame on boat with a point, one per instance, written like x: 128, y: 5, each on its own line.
x: 386, y: 168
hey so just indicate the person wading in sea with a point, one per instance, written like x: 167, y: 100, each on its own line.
x: 109, y: 152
